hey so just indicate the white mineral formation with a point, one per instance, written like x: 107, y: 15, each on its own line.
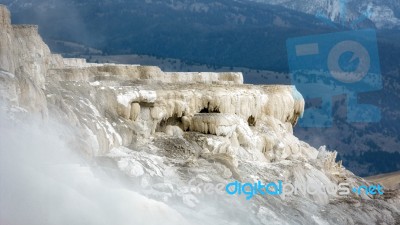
x: 170, y: 131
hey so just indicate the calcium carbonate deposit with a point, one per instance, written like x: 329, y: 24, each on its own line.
x: 85, y: 143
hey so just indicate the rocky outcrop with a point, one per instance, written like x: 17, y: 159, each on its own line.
x: 24, y: 54
x: 79, y: 70
x: 145, y: 97
x: 164, y: 129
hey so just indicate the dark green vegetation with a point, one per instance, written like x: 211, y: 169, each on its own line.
x: 221, y: 33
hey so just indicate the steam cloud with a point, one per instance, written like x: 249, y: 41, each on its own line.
x: 43, y: 181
